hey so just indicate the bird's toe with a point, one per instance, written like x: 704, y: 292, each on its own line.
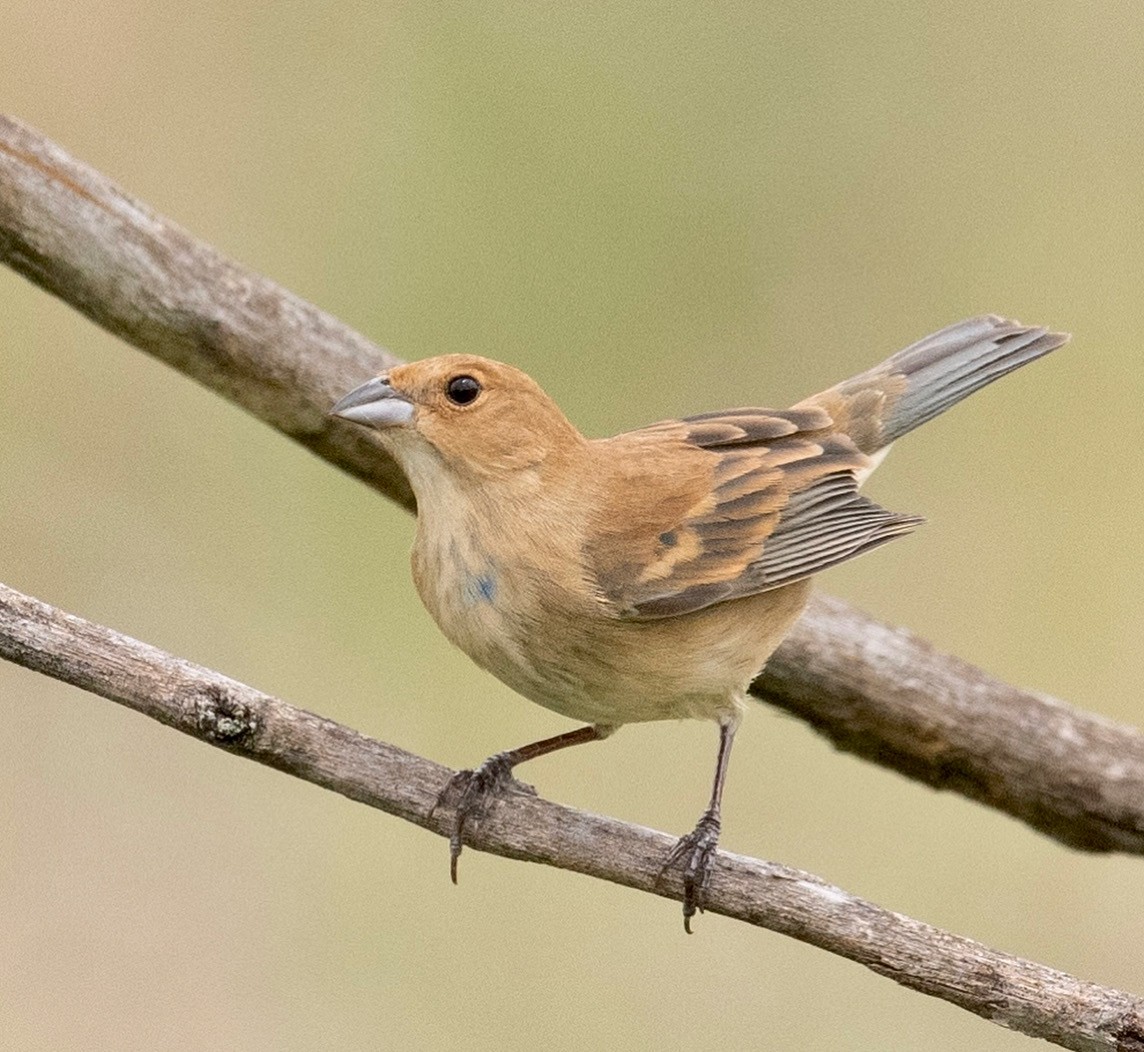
x: 469, y: 794
x: 693, y: 855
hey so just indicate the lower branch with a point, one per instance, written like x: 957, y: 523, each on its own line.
x: 1012, y: 992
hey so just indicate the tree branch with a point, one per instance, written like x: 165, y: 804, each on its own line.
x: 888, y: 696
x: 879, y: 692
x: 74, y: 233
x: 1012, y: 992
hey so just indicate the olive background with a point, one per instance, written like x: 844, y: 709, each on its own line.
x: 654, y: 209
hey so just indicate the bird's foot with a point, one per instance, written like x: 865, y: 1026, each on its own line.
x: 693, y: 855
x: 469, y: 794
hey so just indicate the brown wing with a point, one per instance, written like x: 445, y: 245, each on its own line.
x: 725, y: 505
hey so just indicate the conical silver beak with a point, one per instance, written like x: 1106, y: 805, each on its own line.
x: 375, y: 404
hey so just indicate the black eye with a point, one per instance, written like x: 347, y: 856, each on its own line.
x: 461, y: 390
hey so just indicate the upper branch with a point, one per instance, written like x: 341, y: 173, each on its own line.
x: 76, y: 234
x: 888, y: 696
x: 879, y: 692
x: 1012, y: 992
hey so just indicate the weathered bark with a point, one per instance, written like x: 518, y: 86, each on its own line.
x: 1012, y: 992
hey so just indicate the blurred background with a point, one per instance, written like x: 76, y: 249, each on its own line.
x: 655, y: 209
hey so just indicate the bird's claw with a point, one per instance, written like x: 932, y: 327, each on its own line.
x: 693, y: 855
x: 469, y: 793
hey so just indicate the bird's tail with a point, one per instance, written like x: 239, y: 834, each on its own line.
x: 915, y: 385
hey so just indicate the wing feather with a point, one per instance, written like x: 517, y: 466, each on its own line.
x: 767, y: 498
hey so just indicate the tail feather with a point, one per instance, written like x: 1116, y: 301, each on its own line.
x: 928, y: 377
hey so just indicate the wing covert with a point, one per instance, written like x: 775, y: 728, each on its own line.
x: 766, y: 498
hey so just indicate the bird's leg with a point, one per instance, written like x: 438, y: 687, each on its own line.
x: 469, y: 792
x: 694, y: 853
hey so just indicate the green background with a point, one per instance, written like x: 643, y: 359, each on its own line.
x: 654, y: 209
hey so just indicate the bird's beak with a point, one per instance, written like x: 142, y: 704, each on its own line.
x: 375, y: 404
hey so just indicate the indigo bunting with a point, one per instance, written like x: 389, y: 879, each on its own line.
x: 647, y: 576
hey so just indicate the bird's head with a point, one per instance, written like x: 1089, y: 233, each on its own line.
x: 475, y: 415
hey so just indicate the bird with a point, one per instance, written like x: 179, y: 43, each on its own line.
x: 650, y: 575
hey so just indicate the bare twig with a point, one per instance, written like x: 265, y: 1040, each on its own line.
x: 881, y: 693
x: 1012, y: 992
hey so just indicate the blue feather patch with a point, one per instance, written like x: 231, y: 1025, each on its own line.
x: 480, y: 588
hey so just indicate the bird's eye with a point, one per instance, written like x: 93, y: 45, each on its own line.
x: 461, y: 390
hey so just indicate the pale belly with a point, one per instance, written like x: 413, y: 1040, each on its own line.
x: 590, y: 667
